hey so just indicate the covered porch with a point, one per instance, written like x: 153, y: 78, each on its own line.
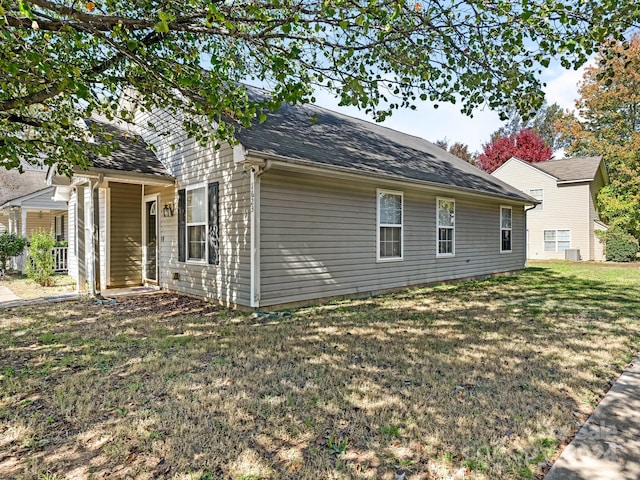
x: 115, y: 224
x: 38, y: 211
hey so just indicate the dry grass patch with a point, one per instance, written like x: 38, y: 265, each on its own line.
x: 26, y: 288
x: 484, y: 379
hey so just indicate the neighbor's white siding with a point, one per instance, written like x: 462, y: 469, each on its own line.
x: 190, y: 164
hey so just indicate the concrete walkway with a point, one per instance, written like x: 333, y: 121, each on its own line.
x: 607, y: 447
x: 9, y: 299
x: 7, y: 295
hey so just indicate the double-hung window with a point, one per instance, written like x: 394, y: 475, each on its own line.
x: 538, y: 194
x: 196, y: 223
x: 199, y: 224
x: 505, y: 229
x: 389, y: 225
x: 557, y: 240
x: 446, y: 227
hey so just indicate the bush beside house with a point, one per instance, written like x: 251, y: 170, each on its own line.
x: 11, y: 245
x: 620, y: 246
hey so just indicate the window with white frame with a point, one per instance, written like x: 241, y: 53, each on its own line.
x: 196, y: 223
x: 446, y: 216
x: 538, y: 194
x: 557, y: 240
x: 389, y: 225
x: 505, y: 229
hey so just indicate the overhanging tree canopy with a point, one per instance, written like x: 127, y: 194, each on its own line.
x: 62, y: 61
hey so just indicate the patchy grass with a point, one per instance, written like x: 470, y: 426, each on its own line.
x: 26, y: 288
x: 487, y: 379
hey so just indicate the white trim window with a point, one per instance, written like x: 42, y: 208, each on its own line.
x: 557, y: 240
x: 196, y: 223
x: 538, y: 194
x: 446, y: 227
x: 390, y: 218
x: 506, y: 224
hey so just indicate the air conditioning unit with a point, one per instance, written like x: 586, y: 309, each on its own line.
x: 572, y: 254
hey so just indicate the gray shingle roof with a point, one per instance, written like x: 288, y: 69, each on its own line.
x: 341, y: 141
x: 132, y: 155
x: 571, y: 169
x: 14, y: 184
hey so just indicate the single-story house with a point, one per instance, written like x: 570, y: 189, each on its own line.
x: 296, y: 211
x: 567, y: 216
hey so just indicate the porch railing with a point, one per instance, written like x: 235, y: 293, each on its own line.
x: 61, y: 264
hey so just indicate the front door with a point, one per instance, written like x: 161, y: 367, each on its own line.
x: 150, y: 243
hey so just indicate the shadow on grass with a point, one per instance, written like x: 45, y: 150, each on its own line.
x: 489, y: 376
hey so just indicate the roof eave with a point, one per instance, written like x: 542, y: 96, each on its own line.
x: 578, y: 180
x: 251, y: 155
x: 126, y: 177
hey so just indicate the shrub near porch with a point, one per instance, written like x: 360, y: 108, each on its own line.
x: 485, y: 379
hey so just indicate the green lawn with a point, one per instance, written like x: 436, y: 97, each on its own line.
x: 488, y: 379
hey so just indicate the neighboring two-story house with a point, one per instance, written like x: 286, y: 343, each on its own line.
x: 567, y: 216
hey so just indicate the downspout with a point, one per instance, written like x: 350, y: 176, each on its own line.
x: 526, y: 236
x: 255, y: 172
x: 94, y: 260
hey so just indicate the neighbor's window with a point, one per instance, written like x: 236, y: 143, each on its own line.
x: 564, y: 239
x: 389, y: 225
x: 446, y: 226
x: 505, y: 229
x: 538, y: 194
x: 557, y: 240
x: 196, y: 209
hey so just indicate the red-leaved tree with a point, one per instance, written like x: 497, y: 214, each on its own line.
x: 526, y: 145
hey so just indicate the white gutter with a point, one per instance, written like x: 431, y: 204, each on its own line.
x: 579, y: 180
x: 125, y: 177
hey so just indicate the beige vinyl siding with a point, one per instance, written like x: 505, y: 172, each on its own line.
x: 318, y: 239
x: 190, y: 164
x: 126, y: 235
x: 4, y: 223
x: 39, y: 221
x: 565, y: 207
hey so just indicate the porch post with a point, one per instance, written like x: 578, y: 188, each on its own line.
x: 80, y: 238
x: 93, y: 262
x: 23, y: 222
x: 96, y: 237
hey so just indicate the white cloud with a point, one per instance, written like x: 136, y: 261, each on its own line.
x: 562, y: 86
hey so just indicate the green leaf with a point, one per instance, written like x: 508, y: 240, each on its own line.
x: 161, y: 27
